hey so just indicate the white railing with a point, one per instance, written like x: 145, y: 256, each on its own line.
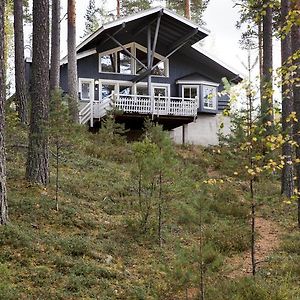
x: 140, y: 104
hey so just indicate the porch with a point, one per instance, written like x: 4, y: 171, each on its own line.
x: 173, y: 110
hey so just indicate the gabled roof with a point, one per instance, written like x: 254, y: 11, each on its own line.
x: 172, y: 27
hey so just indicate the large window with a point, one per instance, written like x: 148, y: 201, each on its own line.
x: 209, y: 96
x: 120, y: 61
x: 108, y: 63
x: 124, y: 64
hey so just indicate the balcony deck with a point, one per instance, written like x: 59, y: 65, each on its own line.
x: 141, y: 105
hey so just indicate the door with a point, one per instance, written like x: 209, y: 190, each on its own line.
x: 86, y: 89
x: 160, y: 94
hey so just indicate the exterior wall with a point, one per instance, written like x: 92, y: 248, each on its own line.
x: 204, y: 131
x: 180, y: 66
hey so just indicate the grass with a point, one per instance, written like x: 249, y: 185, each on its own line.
x: 94, y: 248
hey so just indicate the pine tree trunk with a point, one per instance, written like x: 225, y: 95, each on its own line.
x: 37, y: 169
x: 296, y: 91
x: 72, y: 63
x: 187, y: 12
x: 3, y: 194
x: 21, y: 86
x: 118, y: 9
x: 287, y: 182
x: 55, y: 46
x: 267, y: 95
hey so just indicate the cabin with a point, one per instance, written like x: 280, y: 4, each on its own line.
x: 147, y: 65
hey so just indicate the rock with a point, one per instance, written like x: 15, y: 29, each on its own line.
x: 108, y: 259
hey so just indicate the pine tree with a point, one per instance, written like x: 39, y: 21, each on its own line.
x: 287, y: 181
x: 91, y: 18
x: 72, y: 63
x: 296, y: 90
x: 55, y: 46
x: 267, y: 80
x: 3, y: 195
x: 130, y: 7
x: 37, y: 168
x: 190, y: 9
x: 21, y: 86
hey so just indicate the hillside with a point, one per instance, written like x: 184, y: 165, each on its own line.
x: 99, y: 246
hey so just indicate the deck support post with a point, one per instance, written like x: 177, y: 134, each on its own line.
x: 184, y: 134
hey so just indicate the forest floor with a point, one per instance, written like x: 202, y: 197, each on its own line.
x: 97, y: 247
x: 269, y: 237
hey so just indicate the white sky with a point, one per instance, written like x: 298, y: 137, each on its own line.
x: 220, y: 18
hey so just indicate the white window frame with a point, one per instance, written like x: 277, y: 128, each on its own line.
x: 133, y: 46
x: 116, y: 83
x: 189, y: 86
x: 215, y: 99
x: 92, y: 92
x: 161, y: 85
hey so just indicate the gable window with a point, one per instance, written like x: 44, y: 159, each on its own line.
x: 107, y: 63
x: 124, y: 62
x: 120, y: 61
x: 209, y: 96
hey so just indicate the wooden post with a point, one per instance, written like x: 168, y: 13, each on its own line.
x: 149, y: 59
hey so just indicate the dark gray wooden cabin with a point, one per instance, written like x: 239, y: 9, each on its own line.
x: 146, y: 66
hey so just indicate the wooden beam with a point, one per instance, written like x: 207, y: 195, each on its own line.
x: 178, y: 45
x: 125, y: 50
x: 114, y: 34
x: 144, y: 26
x: 155, y: 37
x: 183, y: 40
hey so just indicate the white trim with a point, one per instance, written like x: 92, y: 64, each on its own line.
x: 161, y: 85
x: 92, y: 88
x: 79, y: 55
x: 191, y: 82
x: 215, y: 99
x: 139, y: 15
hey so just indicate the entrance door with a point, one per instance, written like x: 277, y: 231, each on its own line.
x: 160, y: 94
x: 86, y: 88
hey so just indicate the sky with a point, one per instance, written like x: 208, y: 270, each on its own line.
x: 220, y: 17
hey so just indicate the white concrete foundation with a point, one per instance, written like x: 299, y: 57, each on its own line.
x: 204, y: 131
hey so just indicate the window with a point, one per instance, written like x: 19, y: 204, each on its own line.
x: 107, y: 63
x: 190, y: 92
x: 125, y: 90
x: 142, y: 90
x: 107, y: 90
x: 124, y: 62
x: 209, y: 95
x: 86, y: 89
x: 120, y: 61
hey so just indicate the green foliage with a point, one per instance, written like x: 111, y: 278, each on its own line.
x: 197, y: 8
x: 92, y: 17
